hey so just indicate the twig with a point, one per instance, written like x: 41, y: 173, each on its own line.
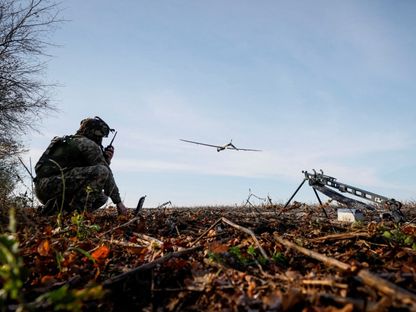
x: 187, y: 288
x: 27, y: 169
x: 325, y: 283
x: 148, y: 238
x: 241, y: 228
x: 164, y: 204
x: 148, y: 266
x: 124, y: 244
x: 205, y: 233
x: 224, y: 268
x: 359, y: 304
x: 249, y: 203
x: 365, y: 276
x: 275, y: 276
x: 411, y: 221
x: 340, y: 236
x: 120, y: 226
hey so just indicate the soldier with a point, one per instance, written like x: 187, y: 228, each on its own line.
x: 74, y: 172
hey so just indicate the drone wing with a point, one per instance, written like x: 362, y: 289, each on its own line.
x: 248, y: 149
x: 216, y: 146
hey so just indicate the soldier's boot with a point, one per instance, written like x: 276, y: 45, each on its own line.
x: 77, y: 204
x: 97, y: 201
x: 90, y: 204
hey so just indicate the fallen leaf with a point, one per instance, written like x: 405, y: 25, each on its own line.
x: 101, y: 254
x: 44, y: 248
x: 272, y: 301
x: 216, y: 247
x: 69, y: 258
x: 409, y: 229
x: 251, y: 286
x: 47, y: 279
x: 48, y: 230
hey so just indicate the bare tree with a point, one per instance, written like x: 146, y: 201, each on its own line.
x: 24, y: 29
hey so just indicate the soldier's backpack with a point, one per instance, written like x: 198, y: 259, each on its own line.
x: 59, y: 155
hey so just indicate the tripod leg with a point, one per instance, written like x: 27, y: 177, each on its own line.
x: 317, y: 196
x: 320, y: 202
x: 290, y: 199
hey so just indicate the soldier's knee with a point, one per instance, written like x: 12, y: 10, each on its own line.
x: 47, y: 188
x: 102, y: 170
x: 100, y: 173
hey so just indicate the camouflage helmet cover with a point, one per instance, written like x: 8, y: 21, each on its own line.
x: 94, y: 127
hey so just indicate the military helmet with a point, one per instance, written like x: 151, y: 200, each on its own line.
x: 94, y: 127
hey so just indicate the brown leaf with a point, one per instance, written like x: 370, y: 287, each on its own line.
x: 48, y: 279
x: 69, y: 258
x: 251, y: 286
x: 409, y: 229
x: 272, y: 301
x: 137, y: 250
x: 101, y: 254
x: 48, y: 230
x: 211, y: 233
x: 44, y: 248
x: 216, y: 247
x: 401, y: 254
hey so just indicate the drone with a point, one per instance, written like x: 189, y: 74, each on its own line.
x: 220, y: 148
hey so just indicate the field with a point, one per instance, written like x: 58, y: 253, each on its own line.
x: 253, y: 258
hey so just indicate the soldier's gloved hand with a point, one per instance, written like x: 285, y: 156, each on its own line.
x: 109, y: 153
x: 121, y: 209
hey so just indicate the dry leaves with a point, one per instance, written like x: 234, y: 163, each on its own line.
x: 230, y: 271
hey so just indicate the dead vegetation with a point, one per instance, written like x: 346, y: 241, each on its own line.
x: 258, y: 258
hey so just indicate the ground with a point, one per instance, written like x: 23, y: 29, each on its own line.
x: 251, y: 258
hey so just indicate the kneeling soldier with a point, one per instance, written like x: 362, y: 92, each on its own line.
x: 74, y: 172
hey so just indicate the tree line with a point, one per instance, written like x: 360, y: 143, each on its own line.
x: 25, y: 27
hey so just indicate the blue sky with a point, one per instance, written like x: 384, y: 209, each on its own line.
x: 314, y: 84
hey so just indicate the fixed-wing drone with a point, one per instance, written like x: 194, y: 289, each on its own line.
x: 220, y: 148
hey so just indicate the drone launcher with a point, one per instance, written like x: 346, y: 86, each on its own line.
x: 329, y: 186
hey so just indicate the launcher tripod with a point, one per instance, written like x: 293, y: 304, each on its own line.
x: 323, y: 183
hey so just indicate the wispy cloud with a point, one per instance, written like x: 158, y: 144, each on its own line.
x: 286, y: 162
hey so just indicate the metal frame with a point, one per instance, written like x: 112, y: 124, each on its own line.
x: 321, y: 182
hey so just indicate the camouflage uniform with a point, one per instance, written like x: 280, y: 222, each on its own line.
x: 74, y: 171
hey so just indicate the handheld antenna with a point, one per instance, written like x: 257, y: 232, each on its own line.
x: 112, y: 140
